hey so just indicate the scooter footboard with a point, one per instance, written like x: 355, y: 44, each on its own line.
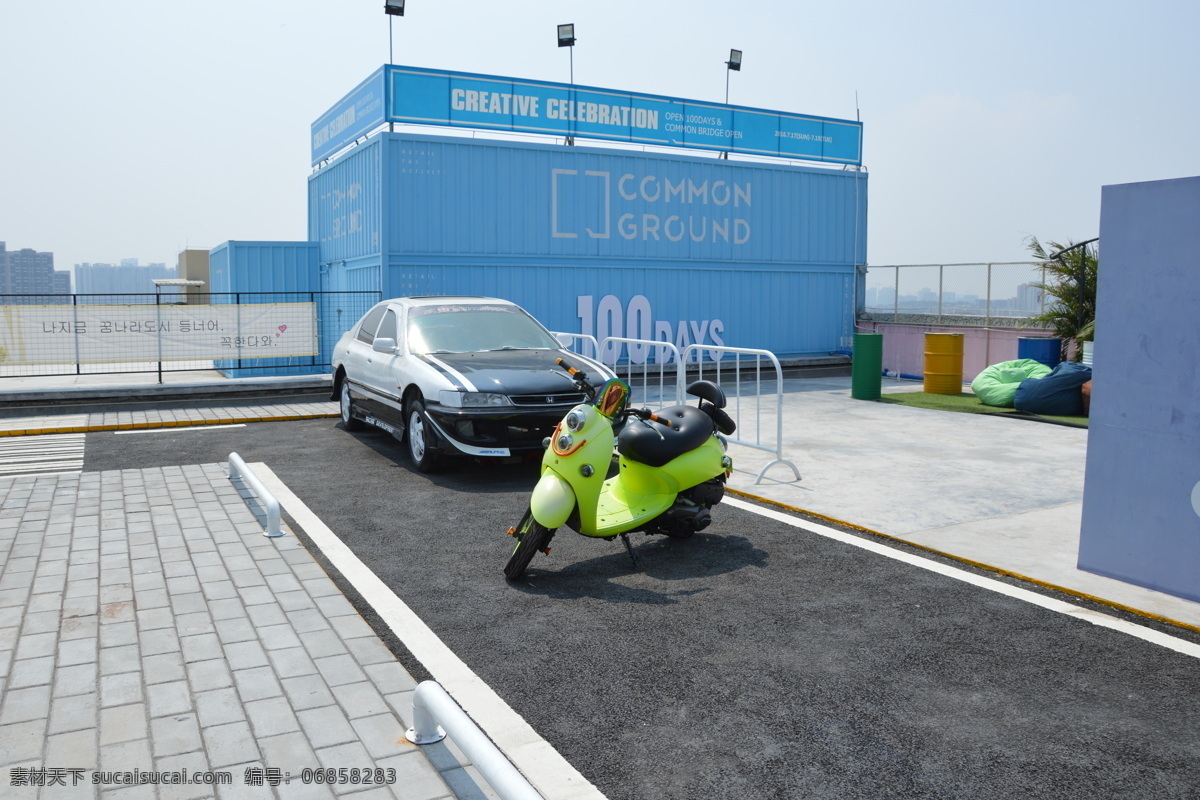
x: 552, y: 501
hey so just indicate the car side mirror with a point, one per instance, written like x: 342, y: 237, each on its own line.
x: 384, y: 346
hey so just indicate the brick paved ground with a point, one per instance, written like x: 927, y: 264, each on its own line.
x: 146, y: 623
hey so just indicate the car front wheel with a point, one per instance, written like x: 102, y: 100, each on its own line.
x: 419, y: 438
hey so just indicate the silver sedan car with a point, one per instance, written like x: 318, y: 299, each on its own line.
x: 456, y: 376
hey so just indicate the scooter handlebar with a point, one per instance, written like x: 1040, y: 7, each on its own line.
x: 645, y: 413
x: 581, y: 377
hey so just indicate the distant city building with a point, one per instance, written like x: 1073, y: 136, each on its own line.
x: 27, y: 271
x: 1029, y: 297
x: 193, y: 266
x: 128, y: 277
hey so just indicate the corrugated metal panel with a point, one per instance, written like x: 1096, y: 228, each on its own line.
x: 345, y: 205
x: 264, y: 272
x: 484, y: 197
x: 263, y: 267
x: 439, y: 195
x: 748, y: 254
x: 218, y: 269
x: 342, y: 277
x: 793, y: 313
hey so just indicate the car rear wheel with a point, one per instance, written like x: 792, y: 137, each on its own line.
x: 419, y: 438
x: 349, y: 421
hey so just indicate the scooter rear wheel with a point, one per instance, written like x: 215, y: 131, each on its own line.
x: 531, y: 537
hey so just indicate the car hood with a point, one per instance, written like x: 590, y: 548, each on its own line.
x: 514, y: 372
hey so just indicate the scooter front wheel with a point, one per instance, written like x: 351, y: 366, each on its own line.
x: 531, y: 537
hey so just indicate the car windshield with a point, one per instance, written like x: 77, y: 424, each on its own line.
x: 473, y: 328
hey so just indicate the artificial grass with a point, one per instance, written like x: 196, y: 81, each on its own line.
x: 968, y: 403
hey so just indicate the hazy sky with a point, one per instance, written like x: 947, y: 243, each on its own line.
x: 133, y: 128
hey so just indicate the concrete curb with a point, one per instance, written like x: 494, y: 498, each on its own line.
x: 185, y: 423
x: 167, y: 391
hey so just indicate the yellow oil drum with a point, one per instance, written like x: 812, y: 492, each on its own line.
x: 943, y: 363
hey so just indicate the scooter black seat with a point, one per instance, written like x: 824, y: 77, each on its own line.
x: 654, y: 444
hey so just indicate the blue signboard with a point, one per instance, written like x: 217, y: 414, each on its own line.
x: 355, y: 115
x: 460, y: 99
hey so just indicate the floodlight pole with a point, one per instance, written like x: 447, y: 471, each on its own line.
x: 391, y: 60
x: 566, y: 38
x: 725, y: 153
x: 393, y: 8
x: 730, y: 65
x: 571, y: 61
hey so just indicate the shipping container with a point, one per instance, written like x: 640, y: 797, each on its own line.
x: 252, y: 273
x: 602, y: 241
x: 244, y: 267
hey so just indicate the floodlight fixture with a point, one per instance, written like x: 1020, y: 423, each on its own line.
x: 394, y: 8
x: 566, y: 35
x: 735, y: 60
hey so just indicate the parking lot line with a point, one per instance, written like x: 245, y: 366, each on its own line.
x: 536, y: 759
x: 991, y: 584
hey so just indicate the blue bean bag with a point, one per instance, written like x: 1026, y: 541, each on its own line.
x: 997, y: 384
x: 1059, y: 394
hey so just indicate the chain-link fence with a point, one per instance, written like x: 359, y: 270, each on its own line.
x: 239, y: 333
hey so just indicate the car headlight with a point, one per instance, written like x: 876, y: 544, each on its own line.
x: 576, y: 420
x: 473, y: 399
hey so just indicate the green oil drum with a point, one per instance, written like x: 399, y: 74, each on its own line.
x: 866, y: 367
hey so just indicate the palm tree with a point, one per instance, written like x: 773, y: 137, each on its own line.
x: 1070, y: 283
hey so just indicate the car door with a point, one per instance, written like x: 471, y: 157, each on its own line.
x: 355, y: 359
x: 383, y: 371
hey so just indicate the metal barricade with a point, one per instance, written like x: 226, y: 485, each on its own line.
x: 668, y: 363
x: 575, y: 342
x: 757, y: 397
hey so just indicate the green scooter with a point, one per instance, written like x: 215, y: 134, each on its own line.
x: 667, y: 471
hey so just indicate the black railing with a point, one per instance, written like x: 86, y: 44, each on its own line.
x: 86, y: 334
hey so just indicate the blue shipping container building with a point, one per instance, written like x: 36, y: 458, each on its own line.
x: 268, y: 272
x: 601, y: 241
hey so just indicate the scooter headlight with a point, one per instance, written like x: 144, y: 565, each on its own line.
x: 564, y: 442
x: 575, y: 420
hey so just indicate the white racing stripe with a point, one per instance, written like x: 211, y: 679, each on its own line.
x: 541, y: 764
x: 1096, y: 618
x: 470, y: 387
x: 53, y: 454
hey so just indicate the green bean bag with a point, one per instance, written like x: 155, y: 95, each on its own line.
x: 997, y: 384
